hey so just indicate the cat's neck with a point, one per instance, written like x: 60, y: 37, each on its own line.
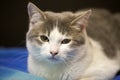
x: 45, y: 70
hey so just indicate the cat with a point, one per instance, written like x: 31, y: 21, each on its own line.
x: 84, y: 45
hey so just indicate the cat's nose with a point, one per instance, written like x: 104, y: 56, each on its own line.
x: 53, y: 53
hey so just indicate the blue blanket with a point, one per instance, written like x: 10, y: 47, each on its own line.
x: 12, y: 74
x: 15, y: 59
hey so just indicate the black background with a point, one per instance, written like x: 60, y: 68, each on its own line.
x: 14, y: 17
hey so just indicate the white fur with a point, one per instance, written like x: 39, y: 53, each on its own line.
x: 89, y: 64
x: 101, y: 67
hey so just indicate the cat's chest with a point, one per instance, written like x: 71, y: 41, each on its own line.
x: 51, y: 74
x: 48, y: 72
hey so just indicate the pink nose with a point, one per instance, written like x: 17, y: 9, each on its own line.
x: 53, y: 53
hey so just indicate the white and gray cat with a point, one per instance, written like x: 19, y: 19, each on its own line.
x: 73, y: 46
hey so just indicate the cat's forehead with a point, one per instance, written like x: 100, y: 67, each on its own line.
x: 60, y: 21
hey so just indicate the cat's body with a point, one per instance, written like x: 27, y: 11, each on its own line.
x: 68, y: 46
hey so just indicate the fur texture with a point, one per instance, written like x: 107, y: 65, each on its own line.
x: 73, y: 46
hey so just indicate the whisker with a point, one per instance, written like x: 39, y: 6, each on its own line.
x: 72, y: 55
x: 65, y: 62
x: 61, y: 78
x: 68, y: 76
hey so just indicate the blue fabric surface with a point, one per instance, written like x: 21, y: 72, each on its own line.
x: 16, y: 59
x: 11, y: 74
x: 117, y: 78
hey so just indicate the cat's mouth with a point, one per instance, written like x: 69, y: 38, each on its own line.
x: 54, y: 59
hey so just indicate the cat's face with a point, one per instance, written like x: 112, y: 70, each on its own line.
x: 56, y: 37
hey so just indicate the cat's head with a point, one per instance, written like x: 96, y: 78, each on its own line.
x: 56, y: 37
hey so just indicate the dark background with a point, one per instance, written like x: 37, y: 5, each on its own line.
x: 14, y: 17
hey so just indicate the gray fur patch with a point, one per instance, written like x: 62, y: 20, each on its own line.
x: 103, y: 28
x: 63, y: 20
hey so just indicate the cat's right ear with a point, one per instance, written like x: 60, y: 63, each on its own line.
x: 35, y: 14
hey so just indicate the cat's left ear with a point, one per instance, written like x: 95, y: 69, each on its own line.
x: 81, y: 21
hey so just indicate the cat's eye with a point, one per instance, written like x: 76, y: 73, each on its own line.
x: 44, y: 38
x: 65, y: 41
